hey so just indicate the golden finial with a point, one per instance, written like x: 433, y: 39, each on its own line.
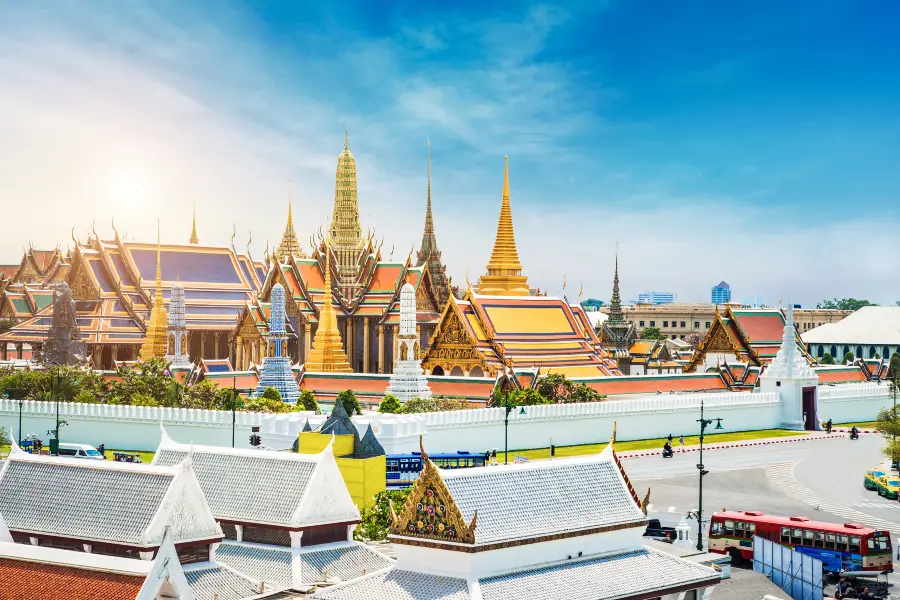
x: 194, y: 239
x: 580, y: 289
x: 233, y: 235
x: 158, y: 264
x: 564, y: 282
x: 612, y: 439
x: 346, y: 140
x: 645, y: 502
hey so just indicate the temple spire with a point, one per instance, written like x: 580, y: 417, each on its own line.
x: 289, y: 245
x: 504, y: 271
x: 429, y: 252
x: 615, y: 303
x: 194, y: 239
x: 327, y: 352
x: 156, y: 340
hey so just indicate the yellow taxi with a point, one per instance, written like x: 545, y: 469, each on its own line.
x: 888, y: 486
x: 870, y: 482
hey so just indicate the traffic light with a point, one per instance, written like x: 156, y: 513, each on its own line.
x: 255, y: 440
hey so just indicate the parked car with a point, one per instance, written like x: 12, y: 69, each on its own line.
x: 656, y: 530
x: 80, y: 451
x: 888, y: 486
x: 870, y: 481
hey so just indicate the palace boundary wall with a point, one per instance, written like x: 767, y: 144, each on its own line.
x: 137, y: 427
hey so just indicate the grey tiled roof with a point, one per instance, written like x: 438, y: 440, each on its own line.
x: 520, y: 503
x: 399, y: 585
x: 272, y: 565
x: 239, y: 487
x: 604, y: 578
x: 82, y: 502
x: 218, y: 581
x: 344, y: 562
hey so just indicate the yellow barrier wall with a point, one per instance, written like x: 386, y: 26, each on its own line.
x: 364, y: 477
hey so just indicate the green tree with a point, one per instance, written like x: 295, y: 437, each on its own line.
x: 351, y: 404
x: 848, y: 358
x: 593, y: 304
x: 525, y: 397
x: 6, y: 325
x: 449, y: 403
x: 307, y: 401
x: 390, y: 404
x: 266, y: 405
x: 888, y: 425
x: 827, y: 359
x: 845, y: 304
x: 204, y: 394
x: 4, y: 437
x: 272, y: 394
x: 895, y: 366
x: 376, y: 521
x: 421, y: 405
x: 652, y: 333
x: 559, y: 389
x: 147, y: 379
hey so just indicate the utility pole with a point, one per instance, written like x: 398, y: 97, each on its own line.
x: 704, y: 423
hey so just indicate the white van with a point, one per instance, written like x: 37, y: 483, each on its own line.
x: 80, y: 451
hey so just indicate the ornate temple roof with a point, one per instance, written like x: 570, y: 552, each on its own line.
x: 156, y: 337
x: 264, y: 487
x: 752, y: 335
x: 429, y: 253
x: 521, y: 332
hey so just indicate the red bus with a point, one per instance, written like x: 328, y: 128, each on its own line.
x: 847, y: 547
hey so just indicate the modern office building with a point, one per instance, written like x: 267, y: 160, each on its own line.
x: 656, y: 298
x: 721, y: 294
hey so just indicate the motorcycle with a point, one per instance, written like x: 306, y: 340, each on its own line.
x: 668, y: 453
x: 854, y: 435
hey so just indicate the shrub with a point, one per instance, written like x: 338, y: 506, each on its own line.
x: 4, y: 437
x: 390, y: 404
x: 307, y: 401
x: 376, y: 521
x: 266, y: 405
x: 421, y: 405
x: 827, y: 359
x: 351, y: 404
x: 271, y: 394
x: 526, y: 397
x: 848, y: 358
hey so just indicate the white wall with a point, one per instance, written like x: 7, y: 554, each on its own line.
x: 137, y: 428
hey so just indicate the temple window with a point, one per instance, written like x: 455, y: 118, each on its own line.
x: 682, y: 325
x: 859, y: 352
x: 887, y: 352
x: 115, y: 551
x: 834, y: 351
x: 456, y: 371
x: 641, y: 324
x: 476, y: 372
x: 821, y: 352
x: 707, y: 324
x: 324, y: 535
x: 437, y: 371
x: 872, y: 351
x: 666, y: 323
x: 267, y: 535
x: 696, y: 324
x: 652, y: 323
x: 229, y: 531
x: 193, y: 554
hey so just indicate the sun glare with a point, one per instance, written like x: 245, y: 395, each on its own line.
x: 126, y: 188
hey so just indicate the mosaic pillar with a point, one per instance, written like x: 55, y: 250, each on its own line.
x: 381, y: 348
x: 365, y: 345
x: 239, y: 353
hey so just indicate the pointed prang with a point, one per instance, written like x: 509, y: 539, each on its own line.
x: 346, y: 140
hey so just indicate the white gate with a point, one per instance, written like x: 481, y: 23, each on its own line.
x: 799, y: 575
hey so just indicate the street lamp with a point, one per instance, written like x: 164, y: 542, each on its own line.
x: 509, y: 408
x: 18, y: 395
x: 704, y: 423
x: 234, y: 406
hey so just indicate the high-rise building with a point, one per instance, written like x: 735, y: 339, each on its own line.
x: 656, y: 298
x: 721, y: 294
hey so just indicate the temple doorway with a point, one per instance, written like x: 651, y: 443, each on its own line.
x: 809, y: 409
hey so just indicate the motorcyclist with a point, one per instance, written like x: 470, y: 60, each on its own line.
x: 667, y: 449
x: 854, y: 433
x: 828, y: 426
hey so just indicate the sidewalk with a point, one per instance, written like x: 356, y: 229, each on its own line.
x: 726, y: 445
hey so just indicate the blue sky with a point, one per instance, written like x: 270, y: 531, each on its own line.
x: 755, y: 142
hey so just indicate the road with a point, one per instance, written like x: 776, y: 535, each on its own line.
x: 819, y: 479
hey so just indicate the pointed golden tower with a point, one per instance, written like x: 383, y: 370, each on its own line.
x: 194, y: 239
x: 345, y: 235
x: 289, y: 245
x: 504, y: 271
x: 327, y: 353
x: 156, y: 340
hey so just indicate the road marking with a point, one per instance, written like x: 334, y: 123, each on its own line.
x: 781, y: 477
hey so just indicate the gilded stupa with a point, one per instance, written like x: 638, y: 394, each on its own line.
x: 156, y: 340
x: 504, y: 271
x: 327, y: 352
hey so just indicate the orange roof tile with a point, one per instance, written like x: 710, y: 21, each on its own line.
x: 25, y: 580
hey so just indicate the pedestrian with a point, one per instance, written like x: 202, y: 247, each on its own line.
x: 669, y: 438
x: 681, y: 440
x: 102, y: 449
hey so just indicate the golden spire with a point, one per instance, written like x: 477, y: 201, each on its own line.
x: 327, y: 353
x: 156, y: 339
x: 289, y: 245
x: 194, y: 239
x: 504, y: 271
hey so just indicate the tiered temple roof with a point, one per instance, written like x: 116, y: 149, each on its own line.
x: 429, y: 253
x: 752, y: 336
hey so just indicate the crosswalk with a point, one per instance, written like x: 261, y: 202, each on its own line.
x: 885, y: 504
x: 781, y: 477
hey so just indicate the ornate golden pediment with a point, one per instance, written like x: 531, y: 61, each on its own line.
x: 424, y: 301
x: 718, y: 340
x: 430, y: 511
x: 454, y: 332
x: 456, y: 354
x: 81, y: 284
